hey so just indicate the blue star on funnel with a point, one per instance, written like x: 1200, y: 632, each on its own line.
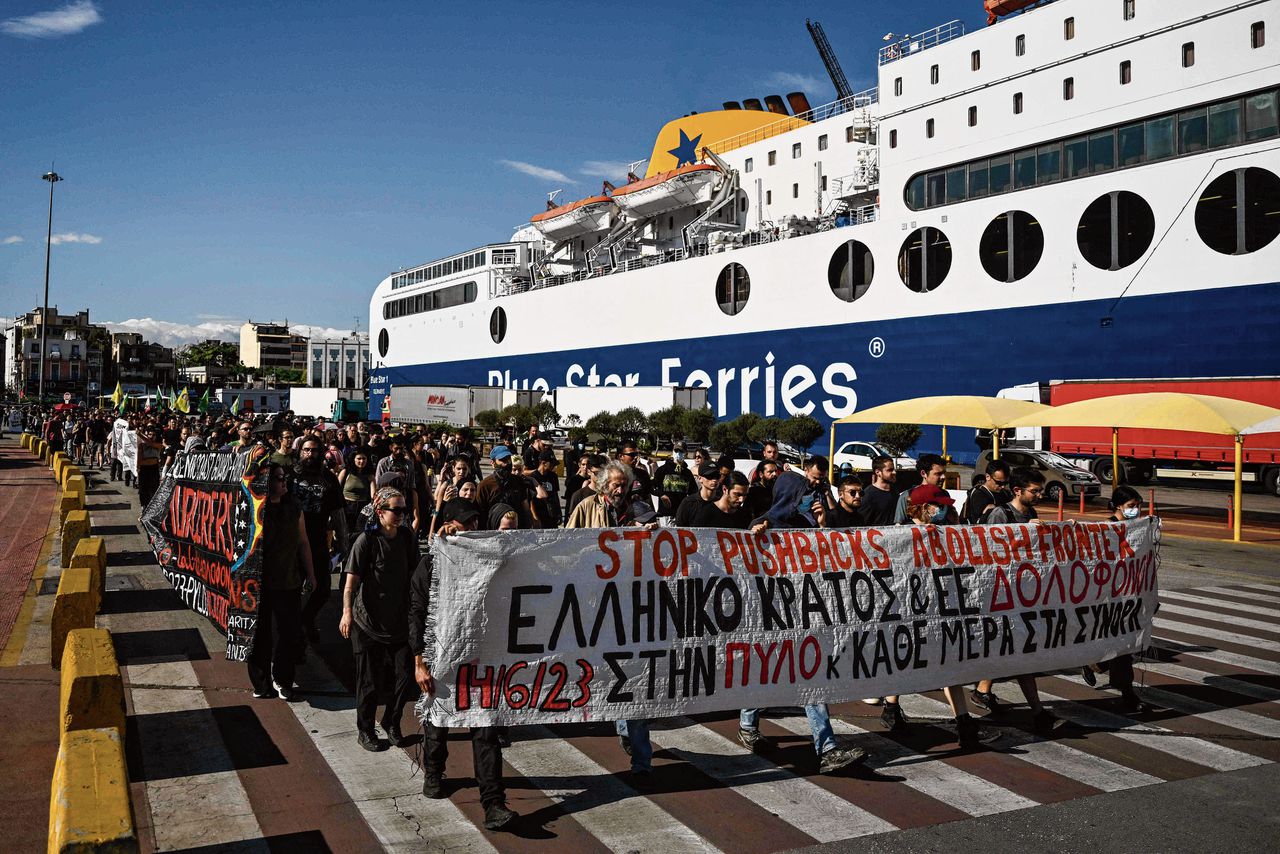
x: 687, y: 151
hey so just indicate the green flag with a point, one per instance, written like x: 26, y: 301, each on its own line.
x: 123, y: 402
x: 203, y: 405
x: 235, y: 406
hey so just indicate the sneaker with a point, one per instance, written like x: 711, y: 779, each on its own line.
x: 626, y: 744
x: 892, y: 718
x: 497, y: 816
x: 755, y: 741
x: 370, y: 742
x: 986, y: 700
x: 1090, y: 678
x: 968, y: 733
x: 1044, y: 722
x: 432, y: 785
x: 286, y: 693
x: 841, y: 757
x: 265, y: 694
x: 874, y: 701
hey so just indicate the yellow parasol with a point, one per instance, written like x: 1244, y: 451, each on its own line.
x: 956, y: 410
x: 1160, y: 410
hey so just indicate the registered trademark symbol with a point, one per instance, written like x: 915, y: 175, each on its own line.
x: 876, y: 347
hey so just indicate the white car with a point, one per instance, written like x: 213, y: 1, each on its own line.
x: 860, y: 454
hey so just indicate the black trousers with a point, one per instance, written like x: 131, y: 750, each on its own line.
x: 324, y: 585
x: 276, y: 639
x: 1120, y: 669
x: 486, y: 757
x: 148, y: 483
x: 373, y: 661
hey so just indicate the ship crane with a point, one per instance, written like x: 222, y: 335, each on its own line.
x: 844, y: 91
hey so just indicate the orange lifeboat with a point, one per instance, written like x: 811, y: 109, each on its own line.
x: 667, y: 191
x: 999, y: 8
x: 585, y: 216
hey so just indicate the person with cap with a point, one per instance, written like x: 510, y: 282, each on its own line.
x: 594, y: 463
x: 503, y: 486
x: 457, y: 516
x: 932, y: 469
x: 709, y: 485
x: 544, y: 474
x: 673, y: 482
x: 318, y: 493
x: 375, y: 602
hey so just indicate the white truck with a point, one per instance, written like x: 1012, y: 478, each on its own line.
x: 586, y: 401
x: 322, y: 402
x: 442, y: 404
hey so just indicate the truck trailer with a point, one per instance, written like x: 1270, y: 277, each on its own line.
x: 455, y: 405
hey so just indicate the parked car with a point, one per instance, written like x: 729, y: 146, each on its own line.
x: 1061, y: 476
x: 860, y: 454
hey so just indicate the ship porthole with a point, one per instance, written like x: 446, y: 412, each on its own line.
x: 851, y: 270
x: 1239, y: 212
x: 1011, y: 246
x: 924, y: 259
x: 498, y: 325
x: 733, y: 289
x: 384, y: 342
x: 1116, y: 230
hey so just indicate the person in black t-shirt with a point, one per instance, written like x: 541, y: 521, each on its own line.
x: 673, y: 482
x: 847, y: 513
x: 545, y: 475
x: 730, y: 510
x: 878, y: 499
x: 992, y: 492
x: 760, y: 498
x: 708, y: 492
x: 317, y: 491
x: 641, y: 486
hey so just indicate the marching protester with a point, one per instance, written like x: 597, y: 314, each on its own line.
x: 592, y: 466
x: 768, y: 454
x: 150, y: 452
x: 760, y: 498
x: 847, y: 512
x: 324, y: 509
x: 486, y: 747
x: 375, y: 602
x: 708, y: 491
x: 642, y: 485
x: 878, y: 498
x: 673, y: 482
x: 504, y: 486
x: 992, y: 491
x: 285, y: 551
x: 356, y: 480
x: 932, y: 470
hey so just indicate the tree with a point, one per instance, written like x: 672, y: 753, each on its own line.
x: 572, y: 421
x: 632, y: 421
x: 544, y: 411
x: 604, y: 424
x: 800, y: 431
x: 696, y: 424
x: 665, y: 423
x: 519, y: 417
x: 723, y: 437
x: 765, y: 430
x: 898, y: 438
x: 489, y: 419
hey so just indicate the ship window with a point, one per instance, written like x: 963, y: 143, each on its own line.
x: 933, y: 74
x: 1261, y: 118
x: 1017, y: 103
x: 498, y: 325
x: 1115, y: 230
x: 773, y: 158
x: 1159, y: 138
x: 1188, y: 54
x: 924, y: 259
x: 1011, y: 246
x: 749, y: 165
x: 955, y: 185
x: 1224, y: 124
x: 1068, y: 88
x: 937, y: 183
x: 384, y: 341
x: 1069, y: 29
x: 742, y: 202
x: 795, y: 151
x: 1048, y: 163
x: 893, y: 138
x: 1102, y: 151
x: 897, y: 85
x: 928, y: 128
x: 733, y: 289
x: 768, y: 197
x: 1239, y: 212
x: 1075, y: 154
x: 850, y: 270
x: 1258, y: 34
x: 915, y: 193
x: 848, y: 134
x: 1193, y: 131
x: 1020, y: 45
x: 975, y: 60
x: 822, y: 142
x: 1001, y: 174
x: 824, y: 183
x: 1024, y: 169
x: 1129, y: 140
x: 973, y: 116
x: 978, y: 177
x: 795, y: 191
x: 1126, y: 73
x: 1130, y: 9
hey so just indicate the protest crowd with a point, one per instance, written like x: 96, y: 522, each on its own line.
x: 363, y: 503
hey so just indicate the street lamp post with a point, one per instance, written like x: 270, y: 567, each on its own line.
x: 52, y: 178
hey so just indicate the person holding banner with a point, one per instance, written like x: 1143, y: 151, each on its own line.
x: 150, y: 451
x: 284, y: 550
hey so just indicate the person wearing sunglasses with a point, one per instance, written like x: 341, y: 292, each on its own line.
x: 375, y: 617
x: 993, y: 491
x: 848, y: 510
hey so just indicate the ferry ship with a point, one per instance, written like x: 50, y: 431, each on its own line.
x: 1080, y: 189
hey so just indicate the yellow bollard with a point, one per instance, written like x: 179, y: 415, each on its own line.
x: 92, y: 693
x: 91, y: 553
x: 74, y: 607
x: 89, y: 807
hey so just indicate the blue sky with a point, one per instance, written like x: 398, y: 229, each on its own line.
x: 277, y: 159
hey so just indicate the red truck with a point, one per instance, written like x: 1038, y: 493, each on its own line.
x: 1164, y: 454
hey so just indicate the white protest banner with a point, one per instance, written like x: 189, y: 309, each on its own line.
x: 126, y: 445
x: 559, y: 626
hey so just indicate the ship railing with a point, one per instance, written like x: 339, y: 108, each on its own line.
x: 908, y: 45
x: 858, y: 101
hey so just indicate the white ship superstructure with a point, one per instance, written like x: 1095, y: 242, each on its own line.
x: 1088, y: 185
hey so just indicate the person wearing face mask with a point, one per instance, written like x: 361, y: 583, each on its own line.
x: 318, y: 493
x: 932, y: 470
x: 504, y: 487
x: 674, y: 482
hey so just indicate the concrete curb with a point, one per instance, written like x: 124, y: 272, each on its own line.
x: 91, y: 553
x: 74, y: 607
x: 92, y: 692
x: 69, y: 472
x: 75, y: 527
x: 89, y: 808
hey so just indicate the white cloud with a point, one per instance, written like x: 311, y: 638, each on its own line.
x: 174, y: 334
x: 537, y: 171
x: 66, y: 21
x: 73, y: 237
x: 10, y: 240
x: 612, y: 169
x: 818, y: 89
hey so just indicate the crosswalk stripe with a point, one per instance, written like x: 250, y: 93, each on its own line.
x: 1101, y: 774
x: 1233, y: 659
x: 1234, y: 718
x: 607, y: 808
x: 1214, y: 680
x: 807, y: 807
x: 1184, y: 747
x: 1182, y: 596
x: 1265, y: 589
x: 943, y: 782
x: 1217, y: 634
x: 1239, y: 622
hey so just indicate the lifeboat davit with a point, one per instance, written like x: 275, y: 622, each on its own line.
x: 668, y: 191
x: 585, y: 216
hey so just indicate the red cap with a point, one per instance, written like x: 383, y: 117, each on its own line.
x: 927, y: 494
